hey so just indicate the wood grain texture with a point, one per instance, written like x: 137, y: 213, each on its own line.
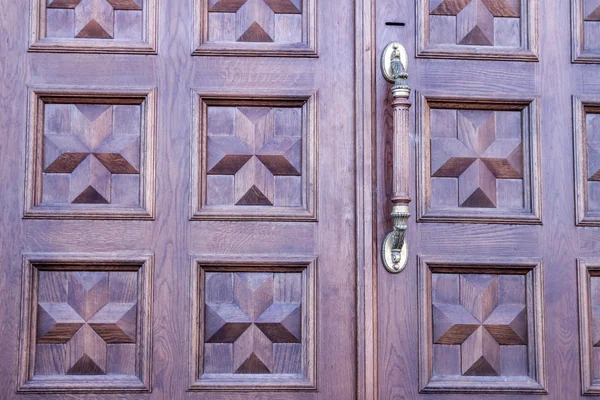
x: 478, y: 162
x: 478, y: 29
x: 94, y: 26
x: 254, y: 323
x: 81, y: 315
x: 91, y: 155
x: 171, y: 236
x: 256, y: 28
x: 486, y: 310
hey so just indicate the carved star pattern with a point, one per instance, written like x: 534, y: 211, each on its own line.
x: 255, y: 154
x: 90, y: 152
x: 94, y: 19
x: 475, y: 18
x: 591, y: 10
x: 477, y: 158
x: 86, y: 323
x: 255, y: 19
x: 253, y: 322
x: 593, y: 146
x: 479, y: 324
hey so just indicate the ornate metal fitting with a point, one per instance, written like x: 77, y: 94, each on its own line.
x: 394, y: 67
x: 394, y: 252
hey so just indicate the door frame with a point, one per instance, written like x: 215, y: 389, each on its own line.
x: 366, y: 207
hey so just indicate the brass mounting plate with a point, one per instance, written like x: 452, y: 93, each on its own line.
x: 386, y: 60
x: 386, y: 255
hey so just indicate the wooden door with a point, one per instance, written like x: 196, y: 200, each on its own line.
x: 177, y: 178
x: 500, y: 294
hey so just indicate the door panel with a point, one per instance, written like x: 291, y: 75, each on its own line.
x: 503, y: 189
x: 177, y: 179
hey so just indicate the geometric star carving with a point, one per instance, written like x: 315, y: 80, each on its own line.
x: 479, y: 324
x: 475, y: 18
x: 255, y: 19
x: 253, y: 322
x: 254, y: 154
x: 477, y: 158
x: 89, y: 151
x: 86, y: 323
x: 591, y: 10
x: 95, y: 18
x: 593, y: 146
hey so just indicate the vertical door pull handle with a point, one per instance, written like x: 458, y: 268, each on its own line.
x: 394, y: 66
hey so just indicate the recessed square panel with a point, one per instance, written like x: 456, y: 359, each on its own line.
x: 589, y: 311
x: 94, y: 26
x: 91, y: 156
x: 586, y: 31
x: 481, y: 326
x: 481, y: 29
x: 86, y: 324
x: 256, y: 27
x: 587, y: 156
x: 255, y: 159
x: 253, y: 325
x: 478, y: 161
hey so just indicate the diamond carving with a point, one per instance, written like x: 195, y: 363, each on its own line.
x: 477, y: 157
x: 480, y: 324
x: 80, y: 140
x: 95, y: 19
x: 255, y: 19
x: 91, y: 155
x: 591, y: 10
x: 254, y: 148
x: 475, y: 18
x: 86, y: 322
x: 253, y: 321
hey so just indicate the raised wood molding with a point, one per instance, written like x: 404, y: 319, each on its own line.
x: 33, y: 263
x: 366, y: 207
x: 40, y: 42
x: 529, y: 213
x: 255, y: 47
x: 34, y: 207
x: 588, y: 269
x: 307, y: 378
x: 535, y: 380
x: 307, y: 208
x: 585, y: 214
x: 580, y: 52
x: 528, y: 50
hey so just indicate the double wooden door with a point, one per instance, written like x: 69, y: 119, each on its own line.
x: 177, y: 199
x: 501, y: 292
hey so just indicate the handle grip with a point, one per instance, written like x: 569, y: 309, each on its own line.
x: 394, y: 67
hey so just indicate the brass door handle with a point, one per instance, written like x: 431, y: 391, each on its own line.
x: 394, y: 66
